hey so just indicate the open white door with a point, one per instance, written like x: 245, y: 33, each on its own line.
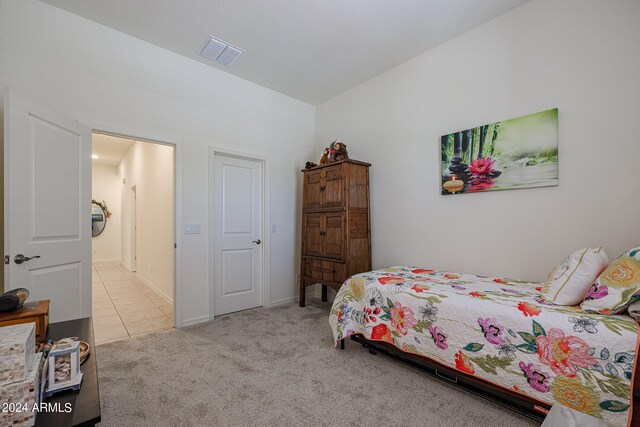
x: 237, y: 234
x: 47, y: 178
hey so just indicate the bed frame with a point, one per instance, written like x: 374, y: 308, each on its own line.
x: 525, y: 405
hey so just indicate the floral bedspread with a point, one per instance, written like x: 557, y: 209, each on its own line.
x: 498, y: 330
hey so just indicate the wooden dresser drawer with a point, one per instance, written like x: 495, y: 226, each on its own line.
x: 327, y: 271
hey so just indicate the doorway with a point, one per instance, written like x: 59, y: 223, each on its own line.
x: 48, y: 217
x: 134, y: 229
x: 239, y: 238
x: 133, y: 259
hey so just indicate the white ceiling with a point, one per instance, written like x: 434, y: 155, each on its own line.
x: 109, y: 149
x: 312, y: 50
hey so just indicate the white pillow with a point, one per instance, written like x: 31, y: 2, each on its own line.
x: 569, y: 281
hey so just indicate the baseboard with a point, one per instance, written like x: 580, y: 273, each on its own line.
x: 154, y: 289
x: 106, y: 260
x: 283, y: 301
x: 195, y: 320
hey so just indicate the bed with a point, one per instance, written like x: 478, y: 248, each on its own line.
x: 494, y: 334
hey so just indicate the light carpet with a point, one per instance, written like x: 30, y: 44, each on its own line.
x: 275, y: 366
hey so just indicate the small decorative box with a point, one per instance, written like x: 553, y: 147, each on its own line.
x: 17, y: 345
x: 22, y: 397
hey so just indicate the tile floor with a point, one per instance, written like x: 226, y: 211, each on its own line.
x: 123, y: 306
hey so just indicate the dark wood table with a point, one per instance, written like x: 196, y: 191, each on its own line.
x: 85, y: 403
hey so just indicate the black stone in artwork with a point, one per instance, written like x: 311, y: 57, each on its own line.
x: 458, y: 170
x: 461, y: 168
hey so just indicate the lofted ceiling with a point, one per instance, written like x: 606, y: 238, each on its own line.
x: 109, y: 149
x: 311, y: 50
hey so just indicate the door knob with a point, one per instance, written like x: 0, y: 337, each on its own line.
x: 257, y: 242
x: 19, y: 259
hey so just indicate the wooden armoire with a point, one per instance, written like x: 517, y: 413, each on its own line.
x: 336, y: 232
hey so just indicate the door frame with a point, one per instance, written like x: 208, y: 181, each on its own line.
x: 133, y: 200
x: 266, y: 230
x: 175, y: 142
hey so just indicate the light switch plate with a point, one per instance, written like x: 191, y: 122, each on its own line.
x: 192, y: 229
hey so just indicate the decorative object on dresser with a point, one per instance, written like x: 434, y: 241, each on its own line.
x: 64, y: 366
x: 336, y: 232
x: 338, y: 151
x: 34, y: 311
x: 20, y: 369
x: 17, y: 345
x: 84, y: 403
x: 325, y: 156
x: 85, y: 349
x: 13, y: 299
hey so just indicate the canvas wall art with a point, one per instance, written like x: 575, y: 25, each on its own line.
x: 506, y: 155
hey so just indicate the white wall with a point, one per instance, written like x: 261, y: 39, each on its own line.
x: 150, y: 168
x: 118, y: 83
x: 581, y: 56
x: 106, y: 187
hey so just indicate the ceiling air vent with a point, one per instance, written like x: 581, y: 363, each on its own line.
x: 220, y: 51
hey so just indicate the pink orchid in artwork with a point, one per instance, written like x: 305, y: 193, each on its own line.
x: 482, y: 167
x: 477, y: 185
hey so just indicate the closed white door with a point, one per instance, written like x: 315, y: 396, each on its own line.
x: 47, y: 175
x: 238, y: 236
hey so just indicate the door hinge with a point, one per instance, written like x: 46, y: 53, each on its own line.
x: 6, y: 259
x: 175, y: 246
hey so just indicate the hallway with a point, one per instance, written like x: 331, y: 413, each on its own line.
x: 123, y: 306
